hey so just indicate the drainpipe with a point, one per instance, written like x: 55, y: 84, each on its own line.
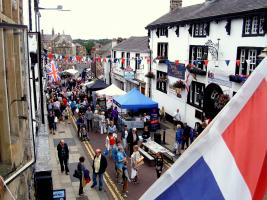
x: 150, y: 67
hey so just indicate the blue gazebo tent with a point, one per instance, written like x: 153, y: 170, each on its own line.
x: 134, y: 100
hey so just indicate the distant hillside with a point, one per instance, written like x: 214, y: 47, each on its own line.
x: 88, y: 44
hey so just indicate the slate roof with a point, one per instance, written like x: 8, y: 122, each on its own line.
x: 209, y: 9
x: 133, y: 44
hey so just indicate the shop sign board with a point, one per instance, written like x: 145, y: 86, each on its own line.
x: 128, y: 74
x: 177, y: 71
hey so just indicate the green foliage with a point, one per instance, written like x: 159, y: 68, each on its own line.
x: 88, y: 44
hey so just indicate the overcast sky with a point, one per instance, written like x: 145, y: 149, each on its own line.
x: 96, y: 19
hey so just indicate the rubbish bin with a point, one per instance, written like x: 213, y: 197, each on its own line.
x: 157, y: 137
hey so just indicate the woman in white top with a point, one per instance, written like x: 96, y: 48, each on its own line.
x: 136, y: 160
x: 102, y: 123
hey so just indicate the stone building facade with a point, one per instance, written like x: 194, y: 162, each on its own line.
x: 16, y: 139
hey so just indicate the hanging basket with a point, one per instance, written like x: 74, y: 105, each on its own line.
x: 150, y: 75
x: 179, y: 84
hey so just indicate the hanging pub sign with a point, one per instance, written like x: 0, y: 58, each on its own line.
x: 214, y: 100
x: 176, y: 70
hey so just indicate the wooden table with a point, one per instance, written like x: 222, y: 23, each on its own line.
x: 155, y: 147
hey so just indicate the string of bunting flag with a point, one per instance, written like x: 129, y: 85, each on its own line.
x: 140, y: 59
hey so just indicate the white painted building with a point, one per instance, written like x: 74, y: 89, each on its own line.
x: 130, y: 63
x: 221, y: 38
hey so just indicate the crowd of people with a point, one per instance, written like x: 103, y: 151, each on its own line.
x: 68, y: 98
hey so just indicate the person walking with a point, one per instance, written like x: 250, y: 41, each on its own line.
x: 102, y: 123
x: 115, y: 115
x: 112, y: 129
x: 162, y: 114
x: 119, y: 163
x: 51, y: 122
x: 99, y: 167
x: 125, y: 178
x: 110, y: 143
x: 136, y: 161
x: 177, y: 118
x: 132, y: 139
x: 63, y: 156
x: 186, y: 136
x: 178, y: 139
x: 89, y: 119
x: 124, y: 136
x: 81, y: 168
x: 79, y: 123
x: 145, y: 134
x: 159, y: 164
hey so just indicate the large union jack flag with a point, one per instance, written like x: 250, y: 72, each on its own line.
x: 53, y: 71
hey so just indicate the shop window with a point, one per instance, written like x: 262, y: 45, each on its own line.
x: 248, y: 59
x: 161, y: 85
x: 197, y: 55
x: 196, y: 94
x: 162, y: 50
x: 16, y: 142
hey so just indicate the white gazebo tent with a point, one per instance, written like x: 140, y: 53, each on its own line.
x: 110, y: 92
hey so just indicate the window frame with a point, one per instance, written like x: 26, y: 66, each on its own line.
x: 161, y: 86
x: 128, y: 59
x: 199, y: 29
x: 194, y: 55
x: 192, y: 97
x: 249, y: 23
x: 137, y: 58
x: 160, y: 47
x: 244, y: 54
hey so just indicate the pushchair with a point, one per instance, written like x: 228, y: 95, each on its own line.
x: 84, y: 134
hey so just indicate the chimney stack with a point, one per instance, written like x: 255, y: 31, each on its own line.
x: 175, y: 4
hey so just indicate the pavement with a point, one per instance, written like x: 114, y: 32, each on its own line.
x: 68, y: 182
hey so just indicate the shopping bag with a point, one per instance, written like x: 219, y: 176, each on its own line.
x: 140, y: 162
x: 77, y: 174
x: 106, y: 152
x: 86, y: 177
x: 133, y: 173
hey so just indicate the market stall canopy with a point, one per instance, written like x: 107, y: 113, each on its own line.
x: 98, y: 85
x: 72, y: 71
x: 134, y: 100
x: 87, y: 84
x: 111, y: 90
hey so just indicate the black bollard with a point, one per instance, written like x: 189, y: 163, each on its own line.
x: 164, y: 132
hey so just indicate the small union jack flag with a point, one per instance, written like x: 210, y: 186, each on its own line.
x: 53, y: 71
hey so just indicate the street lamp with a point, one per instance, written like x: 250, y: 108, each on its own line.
x: 58, y: 8
x: 37, y: 13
